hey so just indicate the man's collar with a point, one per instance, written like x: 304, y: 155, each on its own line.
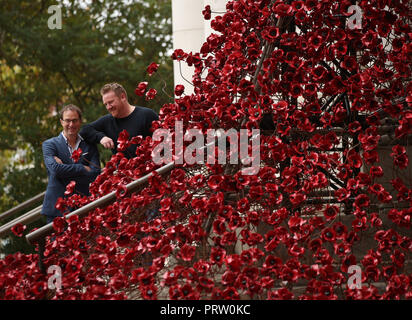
x: 78, y: 137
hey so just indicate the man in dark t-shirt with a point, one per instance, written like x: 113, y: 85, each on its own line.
x: 123, y: 116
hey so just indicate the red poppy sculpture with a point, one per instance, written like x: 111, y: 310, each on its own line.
x: 327, y: 215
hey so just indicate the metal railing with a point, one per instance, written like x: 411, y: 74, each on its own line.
x: 26, y: 218
x: 22, y: 206
x: 39, y: 235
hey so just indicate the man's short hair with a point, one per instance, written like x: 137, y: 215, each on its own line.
x: 115, y: 87
x: 70, y: 107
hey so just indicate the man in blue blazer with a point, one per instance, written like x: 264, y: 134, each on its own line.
x: 60, y: 157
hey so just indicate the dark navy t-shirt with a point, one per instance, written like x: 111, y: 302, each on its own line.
x: 138, y: 123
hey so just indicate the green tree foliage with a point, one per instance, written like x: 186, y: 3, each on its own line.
x: 41, y: 69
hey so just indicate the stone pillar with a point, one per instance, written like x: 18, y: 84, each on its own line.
x: 190, y: 30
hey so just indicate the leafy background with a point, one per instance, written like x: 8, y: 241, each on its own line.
x: 42, y: 69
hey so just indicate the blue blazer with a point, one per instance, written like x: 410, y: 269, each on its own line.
x: 60, y: 175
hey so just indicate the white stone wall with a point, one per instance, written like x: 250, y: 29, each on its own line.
x: 190, y: 31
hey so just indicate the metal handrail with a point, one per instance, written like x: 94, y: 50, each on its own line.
x: 22, y: 206
x: 39, y: 234
x: 26, y: 218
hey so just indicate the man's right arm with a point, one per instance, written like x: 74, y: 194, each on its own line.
x: 95, y: 131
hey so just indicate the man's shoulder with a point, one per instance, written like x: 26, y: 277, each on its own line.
x: 52, y: 140
x: 145, y: 111
x: 106, y: 117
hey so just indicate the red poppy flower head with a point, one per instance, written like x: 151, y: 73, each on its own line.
x: 70, y: 188
x: 179, y: 54
x: 76, y: 155
x: 123, y: 141
x: 59, y: 224
x: 207, y: 12
x: 151, y: 94
x: 18, y: 229
x: 152, y: 68
x: 179, y: 89
x: 141, y: 88
x: 330, y: 212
